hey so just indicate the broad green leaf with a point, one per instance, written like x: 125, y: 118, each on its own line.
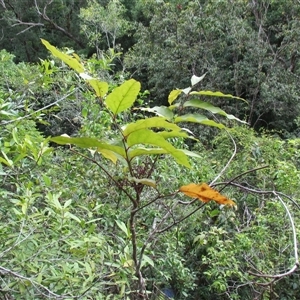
x: 108, y: 154
x: 173, y: 96
x: 86, y: 142
x: 213, y: 109
x: 123, y: 97
x: 161, y: 111
x: 69, y: 60
x: 195, y: 79
x: 190, y: 153
x: 145, y: 151
x: 145, y: 181
x: 148, y: 123
x: 215, y: 94
x: 146, y: 136
x: 196, y: 118
x: 100, y: 87
x: 172, y: 134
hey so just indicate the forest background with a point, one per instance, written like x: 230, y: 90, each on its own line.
x: 104, y: 218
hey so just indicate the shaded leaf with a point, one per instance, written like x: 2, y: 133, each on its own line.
x: 123, y: 97
x: 195, y: 79
x: 145, y: 181
x: 108, y: 154
x: 205, y: 193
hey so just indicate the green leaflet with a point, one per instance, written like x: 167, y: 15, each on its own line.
x: 69, y: 60
x: 213, y: 109
x: 101, y: 88
x: 173, y: 96
x: 216, y: 94
x: 146, y: 136
x: 197, y: 118
x: 161, y: 111
x: 86, y: 142
x: 144, y: 181
x: 148, y: 123
x: 123, y: 97
x: 145, y: 151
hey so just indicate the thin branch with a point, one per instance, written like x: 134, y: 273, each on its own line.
x: 229, y: 161
x: 45, y: 107
x: 34, y: 283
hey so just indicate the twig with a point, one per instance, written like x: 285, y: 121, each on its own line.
x: 45, y: 107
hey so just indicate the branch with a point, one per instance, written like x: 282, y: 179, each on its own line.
x: 45, y: 107
x: 34, y: 283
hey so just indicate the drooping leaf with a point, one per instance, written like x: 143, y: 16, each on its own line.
x: 195, y: 79
x: 209, y: 107
x: 145, y: 151
x: 123, y: 227
x: 69, y: 60
x: 216, y: 94
x: 146, y: 136
x: 172, y: 134
x: 197, y: 118
x: 205, y: 193
x: 149, y: 123
x: 86, y: 142
x: 144, y: 181
x: 100, y: 87
x: 161, y: 111
x: 108, y: 154
x: 123, y: 97
x: 187, y: 90
x: 173, y: 96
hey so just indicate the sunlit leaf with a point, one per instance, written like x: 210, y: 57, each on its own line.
x: 197, y: 118
x: 205, y: 193
x: 146, y: 136
x: 161, y: 111
x: 195, y: 79
x: 100, y: 87
x: 187, y: 90
x: 69, y: 60
x: 215, y: 94
x: 149, y: 123
x: 123, y: 97
x: 173, y: 96
x: 86, y: 142
x: 209, y: 107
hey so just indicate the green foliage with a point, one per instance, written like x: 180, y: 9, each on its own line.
x: 101, y: 217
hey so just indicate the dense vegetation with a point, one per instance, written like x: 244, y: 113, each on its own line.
x: 133, y: 88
